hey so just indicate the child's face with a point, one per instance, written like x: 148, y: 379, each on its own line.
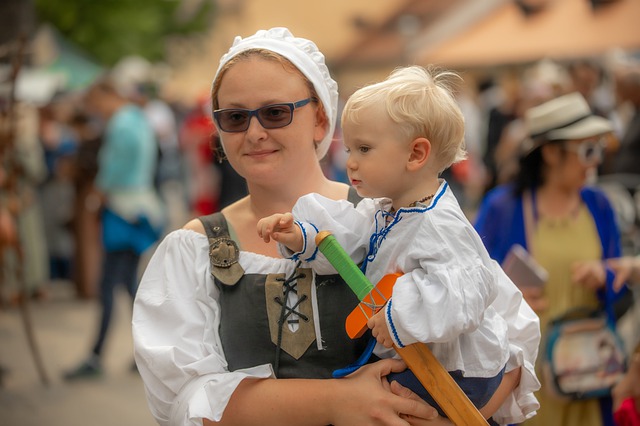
x: 378, y: 155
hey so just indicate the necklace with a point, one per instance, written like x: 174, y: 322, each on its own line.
x: 422, y: 200
x: 413, y: 204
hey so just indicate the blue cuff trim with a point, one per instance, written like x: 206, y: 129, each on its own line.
x: 305, y: 237
x: 315, y: 252
x: 393, y: 327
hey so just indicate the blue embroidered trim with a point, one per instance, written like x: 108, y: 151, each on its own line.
x: 424, y: 209
x: 315, y: 252
x: 376, y: 239
x: 393, y: 327
x: 296, y: 256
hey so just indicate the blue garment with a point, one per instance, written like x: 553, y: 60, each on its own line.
x: 479, y: 390
x: 119, y: 234
x: 500, y: 223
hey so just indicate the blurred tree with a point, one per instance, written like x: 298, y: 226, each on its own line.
x: 111, y: 29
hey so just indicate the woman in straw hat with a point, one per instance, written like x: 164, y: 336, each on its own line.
x: 225, y: 329
x: 567, y: 226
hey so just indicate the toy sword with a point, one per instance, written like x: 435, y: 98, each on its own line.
x: 426, y: 367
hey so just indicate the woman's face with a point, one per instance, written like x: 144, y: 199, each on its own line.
x: 573, y: 161
x: 262, y: 155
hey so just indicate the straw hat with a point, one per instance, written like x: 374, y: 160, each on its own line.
x: 567, y: 117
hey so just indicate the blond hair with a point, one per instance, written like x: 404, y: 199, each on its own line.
x: 420, y: 101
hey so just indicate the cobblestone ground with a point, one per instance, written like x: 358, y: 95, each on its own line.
x: 64, y: 330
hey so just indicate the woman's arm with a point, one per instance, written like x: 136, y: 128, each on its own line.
x: 175, y: 335
x: 363, y: 398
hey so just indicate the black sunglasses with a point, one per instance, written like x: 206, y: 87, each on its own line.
x: 234, y: 120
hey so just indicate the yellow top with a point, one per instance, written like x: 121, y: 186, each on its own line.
x: 556, y: 244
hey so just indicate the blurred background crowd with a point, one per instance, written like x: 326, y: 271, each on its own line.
x: 512, y: 54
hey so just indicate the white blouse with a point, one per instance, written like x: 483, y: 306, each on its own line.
x: 451, y: 295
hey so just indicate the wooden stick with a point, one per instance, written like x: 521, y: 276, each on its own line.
x: 440, y: 385
x: 435, y: 379
x: 7, y: 148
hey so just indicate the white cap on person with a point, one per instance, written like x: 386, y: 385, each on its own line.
x: 302, y: 53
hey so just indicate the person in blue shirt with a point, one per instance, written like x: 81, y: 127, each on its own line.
x: 132, y: 215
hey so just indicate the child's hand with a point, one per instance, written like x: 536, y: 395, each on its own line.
x: 379, y: 330
x: 281, y: 228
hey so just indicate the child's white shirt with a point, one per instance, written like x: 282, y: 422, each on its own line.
x: 451, y: 295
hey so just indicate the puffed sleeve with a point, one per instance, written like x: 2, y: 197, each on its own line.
x: 175, y: 333
x: 348, y: 224
x: 451, y: 300
x: 445, y: 280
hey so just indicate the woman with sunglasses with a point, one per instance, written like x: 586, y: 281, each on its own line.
x: 567, y: 226
x: 226, y: 330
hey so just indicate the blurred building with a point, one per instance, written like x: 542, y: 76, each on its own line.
x: 364, y: 40
x: 512, y: 33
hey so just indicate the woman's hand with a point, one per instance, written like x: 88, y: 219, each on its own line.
x: 626, y: 268
x: 371, y: 400
x: 590, y: 274
x: 364, y: 398
x: 404, y: 392
x: 534, y: 296
x: 629, y: 386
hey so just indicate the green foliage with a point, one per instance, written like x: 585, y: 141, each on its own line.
x: 111, y: 29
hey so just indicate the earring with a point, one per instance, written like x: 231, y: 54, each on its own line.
x: 220, y: 154
x: 217, y: 149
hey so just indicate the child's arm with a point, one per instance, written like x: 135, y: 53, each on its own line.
x: 282, y: 229
x: 295, y: 232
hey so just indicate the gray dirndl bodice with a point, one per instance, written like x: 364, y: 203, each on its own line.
x: 252, y: 312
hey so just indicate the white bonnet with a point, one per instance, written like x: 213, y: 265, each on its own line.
x: 302, y: 53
